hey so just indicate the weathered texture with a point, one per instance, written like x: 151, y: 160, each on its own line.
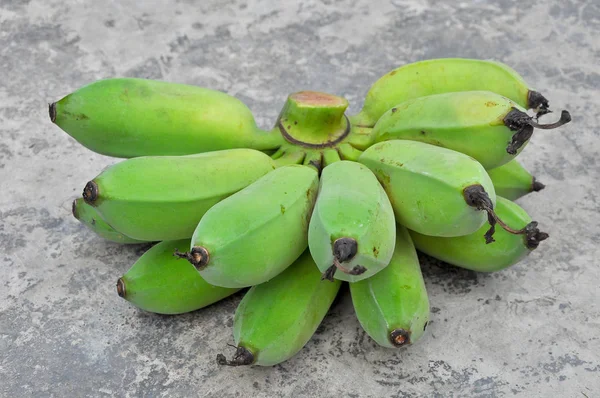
x: 531, y: 330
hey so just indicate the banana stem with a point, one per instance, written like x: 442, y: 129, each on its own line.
x: 476, y: 196
x: 523, y: 124
x: 565, y: 117
x: 287, y: 158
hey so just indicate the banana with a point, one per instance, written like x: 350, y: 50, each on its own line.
x: 161, y: 283
x: 276, y: 319
x: 157, y: 198
x: 127, y: 117
x: 512, y: 181
x: 258, y: 232
x: 446, y: 75
x: 89, y: 216
x: 471, y: 253
x: 352, y: 228
x: 392, y: 306
x: 484, y: 125
x: 433, y: 190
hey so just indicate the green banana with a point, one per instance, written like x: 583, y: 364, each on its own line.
x: 159, y: 198
x: 392, y: 306
x: 128, y: 117
x: 352, y: 228
x: 89, y: 216
x: 162, y: 283
x: 433, y: 190
x: 276, y: 319
x: 258, y: 232
x: 470, y: 252
x: 445, y: 75
x: 512, y: 180
x: 484, y: 125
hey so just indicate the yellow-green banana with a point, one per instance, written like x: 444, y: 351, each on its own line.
x: 127, y: 117
x: 276, y: 319
x: 352, y: 230
x: 159, y: 198
x: 258, y: 232
x: 482, y: 124
x: 162, y: 283
x: 392, y: 306
x: 445, y: 75
x: 472, y: 253
x: 89, y: 216
x: 433, y: 190
x: 512, y: 180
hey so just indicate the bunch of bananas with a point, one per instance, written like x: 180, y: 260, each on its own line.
x: 322, y: 198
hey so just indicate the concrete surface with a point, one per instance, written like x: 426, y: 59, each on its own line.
x: 529, y: 331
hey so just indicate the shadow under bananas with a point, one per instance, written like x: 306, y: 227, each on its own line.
x: 454, y: 280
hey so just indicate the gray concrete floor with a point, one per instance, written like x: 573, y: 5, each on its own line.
x: 531, y: 330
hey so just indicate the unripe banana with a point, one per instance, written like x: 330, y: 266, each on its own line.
x: 446, y: 75
x: 276, y: 319
x: 392, y: 306
x: 472, y: 253
x: 159, y: 198
x: 89, y: 216
x: 433, y: 190
x: 258, y: 232
x: 484, y: 125
x: 352, y: 232
x: 512, y: 181
x: 127, y: 117
x: 162, y: 283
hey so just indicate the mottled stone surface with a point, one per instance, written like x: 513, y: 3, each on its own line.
x: 531, y: 330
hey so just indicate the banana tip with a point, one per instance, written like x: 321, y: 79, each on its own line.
x: 344, y: 249
x: 121, y: 288
x: 400, y: 337
x: 537, y: 101
x: 52, y: 112
x: 198, y: 256
x: 242, y: 356
x: 537, y: 186
x: 90, y: 192
x: 74, y: 209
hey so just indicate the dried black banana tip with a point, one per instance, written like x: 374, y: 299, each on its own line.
x: 538, y: 103
x: 344, y: 249
x: 242, y: 357
x: 400, y: 337
x: 74, y: 209
x: 198, y: 256
x: 537, y: 186
x: 52, y: 112
x: 533, y: 236
x: 476, y: 196
x: 121, y: 288
x: 90, y: 192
